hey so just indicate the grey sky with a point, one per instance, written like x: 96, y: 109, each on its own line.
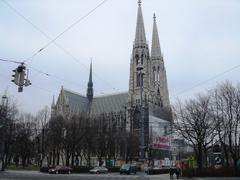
x: 199, y: 39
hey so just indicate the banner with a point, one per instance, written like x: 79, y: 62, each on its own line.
x: 159, y: 132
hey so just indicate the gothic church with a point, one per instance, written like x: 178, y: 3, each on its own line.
x: 147, y: 85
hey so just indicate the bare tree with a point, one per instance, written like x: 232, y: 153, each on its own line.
x: 42, y: 119
x: 194, y: 122
x: 226, y: 104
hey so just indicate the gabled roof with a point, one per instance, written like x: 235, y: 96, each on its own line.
x: 109, y: 103
x: 76, y: 102
x: 99, y: 105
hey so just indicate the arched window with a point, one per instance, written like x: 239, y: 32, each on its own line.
x: 158, y: 74
x: 142, y: 57
x: 137, y: 59
x: 139, y: 79
x: 154, y: 73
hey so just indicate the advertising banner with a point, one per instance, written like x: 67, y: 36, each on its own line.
x: 159, y: 132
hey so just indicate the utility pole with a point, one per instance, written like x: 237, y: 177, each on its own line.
x: 142, y: 124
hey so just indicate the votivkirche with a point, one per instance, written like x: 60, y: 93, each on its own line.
x: 148, y: 88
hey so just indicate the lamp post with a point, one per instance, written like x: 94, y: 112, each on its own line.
x: 142, y: 144
x: 2, y: 127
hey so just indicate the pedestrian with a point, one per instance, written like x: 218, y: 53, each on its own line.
x: 171, y: 172
x: 178, y: 172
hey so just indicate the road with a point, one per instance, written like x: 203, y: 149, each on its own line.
x: 28, y: 175
x: 33, y: 175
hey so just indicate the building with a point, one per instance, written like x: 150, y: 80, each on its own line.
x: 148, y: 89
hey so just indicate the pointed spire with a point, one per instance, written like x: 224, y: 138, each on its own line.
x: 90, y: 73
x: 90, y: 85
x: 156, y: 51
x: 140, y: 37
x: 53, y: 102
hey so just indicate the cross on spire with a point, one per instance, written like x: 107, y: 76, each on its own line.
x: 139, y: 2
x: 154, y: 17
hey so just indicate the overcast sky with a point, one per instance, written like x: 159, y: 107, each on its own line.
x: 199, y: 39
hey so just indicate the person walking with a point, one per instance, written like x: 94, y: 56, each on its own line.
x: 171, y: 172
x: 178, y: 172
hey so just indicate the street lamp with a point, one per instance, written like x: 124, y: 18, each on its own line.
x: 142, y: 144
x: 3, y: 122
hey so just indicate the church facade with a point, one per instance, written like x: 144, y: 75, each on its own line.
x: 147, y: 87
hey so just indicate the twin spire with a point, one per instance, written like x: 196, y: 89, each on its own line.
x: 140, y: 40
x: 156, y: 50
x: 140, y: 37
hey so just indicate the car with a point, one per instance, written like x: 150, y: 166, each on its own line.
x: 98, y: 170
x: 128, y: 169
x: 60, y: 170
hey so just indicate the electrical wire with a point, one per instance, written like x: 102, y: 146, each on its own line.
x: 67, y: 29
x: 54, y: 76
x: 180, y: 92
x: 68, y: 53
x: 207, y: 80
x: 12, y: 61
x: 57, y: 45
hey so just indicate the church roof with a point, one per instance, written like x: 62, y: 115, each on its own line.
x: 76, y: 102
x: 102, y: 104
x: 109, y: 103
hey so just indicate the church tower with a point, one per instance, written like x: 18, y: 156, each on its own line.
x: 159, y: 88
x: 139, y: 64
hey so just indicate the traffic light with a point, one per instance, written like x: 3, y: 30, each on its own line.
x: 19, y: 77
x: 15, y: 77
x: 21, y: 71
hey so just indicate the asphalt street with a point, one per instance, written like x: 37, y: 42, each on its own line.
x: 27, y: 175
x: 34, y: 175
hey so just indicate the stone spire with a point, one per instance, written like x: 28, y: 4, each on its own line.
x: 140, y: 37
x: 156, y: 50
x: 53, y: 108
x: 53, y: 102
x: 90, y: 85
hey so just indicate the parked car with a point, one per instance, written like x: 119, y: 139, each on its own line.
x: 60, y: 170
x: 99, y: 170
x: 128, y: 169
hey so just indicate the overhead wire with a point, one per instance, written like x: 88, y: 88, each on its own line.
x: 206, y: 81
x: 77, y: 60
x: 175, y: 96
x: 56, y: 44
x: 67, y: 29
x: 12, y: 61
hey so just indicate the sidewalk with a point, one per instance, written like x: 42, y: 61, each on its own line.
x: 160, y: 177
x: 166, y: 177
